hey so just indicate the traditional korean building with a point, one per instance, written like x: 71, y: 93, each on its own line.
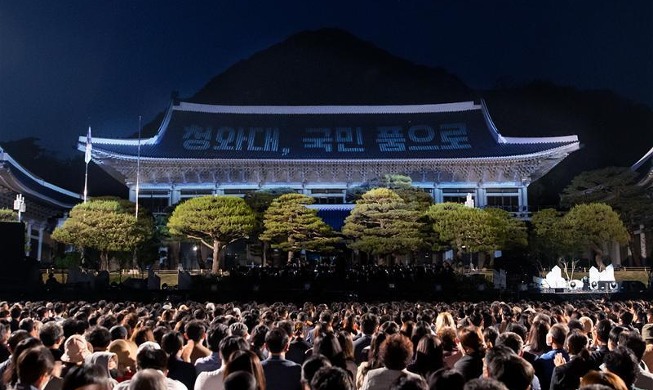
x: 449, y: 150
x: 44, y: 203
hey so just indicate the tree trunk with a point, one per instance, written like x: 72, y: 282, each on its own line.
x: 215, y: 268
x: 265, y: 253
x: 291, y: 254
x: 104, y: 261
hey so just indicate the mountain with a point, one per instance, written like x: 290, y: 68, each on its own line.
x: 330, y: 66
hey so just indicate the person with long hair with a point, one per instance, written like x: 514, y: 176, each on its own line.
x: 536, y: 342
x: 248, y: 361
x: 374, y: 358
x: 347, y: 345
x: 429, y: 356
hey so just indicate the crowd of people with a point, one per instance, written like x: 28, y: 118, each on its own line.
x: 102, y: 345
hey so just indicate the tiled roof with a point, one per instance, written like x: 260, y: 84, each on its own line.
x: 18, y: 179
x: 445, y: 131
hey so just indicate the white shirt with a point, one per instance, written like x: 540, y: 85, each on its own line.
x: 210, y: 380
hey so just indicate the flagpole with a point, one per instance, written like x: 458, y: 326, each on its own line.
x: 138, y: 164
x: 87, y: 159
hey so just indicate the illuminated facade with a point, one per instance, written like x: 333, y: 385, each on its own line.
x: 44, y: 203
x: 449, y: 150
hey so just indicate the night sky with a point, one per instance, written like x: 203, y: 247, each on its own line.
x: 65, y: 65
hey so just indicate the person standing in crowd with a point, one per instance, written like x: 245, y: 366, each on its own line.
x: 153, y: 357
x: 184, y: 372
x: 369, y: 325
x: 280, y: 373
x: 396, y: 352
x: 214, y: 380
x: 544, y: 364
x: 195, y: 333
x: 473, y: 350
x: 35, y: 367
x: 52, y: 337
x: 215, y: 334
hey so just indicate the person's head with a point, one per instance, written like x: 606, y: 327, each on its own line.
x: 537, y: 335
x: 485, y: 384
x: 576, y: 342
x: 613, y: 337
x: 511, y: 340
x: 369, y: 323
x: 35, y: 367
x: 507, y: 367
x: 603, y: 378
x: 448, y: 337
x: 332, y: 378
x: 248, y: 361
x: 195, y: 330
x: 429, y: 353
x: 51, y: 334
x: 99, y: 337
x: 118, y: 332
x: 446, y: 379
x: 602, y: 331
x: 557, y: 335
x: 86, y: 377
x: 312, y: 365
x: 149, y: 356
x: 621, y: 362
x: 444, y: 319
x: 276, y: 340
x: 172, y: 342
x: 148, y: 379
x: 238, y: 329
x: 329, y: 346
x: 108, y: 361
x: 240, y: 380
x: 15, y: 338
x: 470, y: 341
x: 215, y: 334
x: 396, y: 352
x: 231, y: 344
x: 633, y: 341
x: 76, y: 349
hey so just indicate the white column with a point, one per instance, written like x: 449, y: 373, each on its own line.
x: 481, y: 200
x: 175, y: 196
x: 132, y: 194
x: 437, y: 195
x: 615, y: 254
x: 523, y: 199
x: 39, y: 250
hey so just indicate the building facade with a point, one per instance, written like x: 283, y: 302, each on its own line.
x: 44, y: 202
x: 449, y: 150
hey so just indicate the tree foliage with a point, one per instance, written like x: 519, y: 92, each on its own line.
x: 107, y: 225
x: 215, y: 221
x: 510, y: 233
x: 382, y: 223
x: 550, y: 239
x: 291, y: 226
x: 7, y: 215
x: 459, y: 227
x: 616, y: 187
x: 594, y: 225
